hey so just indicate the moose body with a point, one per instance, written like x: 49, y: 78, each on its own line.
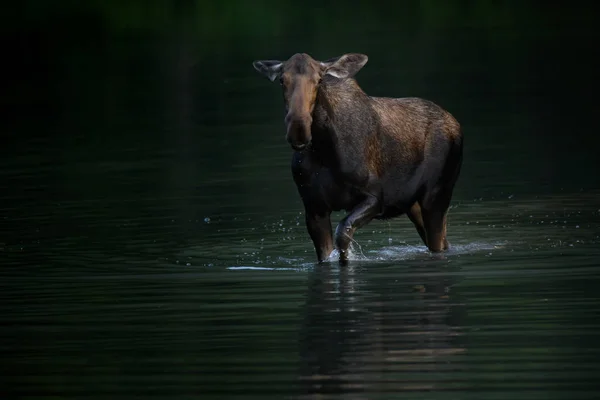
x: 374, y: 157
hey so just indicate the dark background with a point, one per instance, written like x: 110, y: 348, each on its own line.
x: 143, y: 164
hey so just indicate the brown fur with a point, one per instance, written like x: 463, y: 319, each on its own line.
x: 374, y: 157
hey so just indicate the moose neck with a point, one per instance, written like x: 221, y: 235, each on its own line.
x: 343, y: 120
x: 340, y: 96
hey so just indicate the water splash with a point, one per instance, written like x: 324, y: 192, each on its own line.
x: 388, y: 253
x: 406, y: 251
x: 247, y: 267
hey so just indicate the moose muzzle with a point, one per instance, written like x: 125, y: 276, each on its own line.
x: 298, y: 130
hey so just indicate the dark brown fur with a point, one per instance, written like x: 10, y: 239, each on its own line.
x: 374, y: 157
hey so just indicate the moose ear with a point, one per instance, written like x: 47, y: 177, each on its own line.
x: 269, y: 68
x: 345, y: 66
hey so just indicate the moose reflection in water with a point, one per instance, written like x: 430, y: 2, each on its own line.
x: 374, y: 157
x: 360, y: 328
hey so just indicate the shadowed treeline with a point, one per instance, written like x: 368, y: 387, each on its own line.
x: 480, y: 43
x: 239, y: 17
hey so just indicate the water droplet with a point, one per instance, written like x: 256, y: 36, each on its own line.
x: 207, y: 220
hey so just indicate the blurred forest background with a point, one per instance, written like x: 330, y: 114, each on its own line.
x: 100, y: 89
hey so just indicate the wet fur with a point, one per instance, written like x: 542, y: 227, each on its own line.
x: 393, y: 149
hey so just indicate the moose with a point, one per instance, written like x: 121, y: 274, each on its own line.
x: 373, y: 157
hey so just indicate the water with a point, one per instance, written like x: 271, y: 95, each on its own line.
x: 152, y: 241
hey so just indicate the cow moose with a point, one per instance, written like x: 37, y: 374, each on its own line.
x: 373, y: 157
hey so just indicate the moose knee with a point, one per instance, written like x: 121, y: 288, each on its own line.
x: 343, y: 234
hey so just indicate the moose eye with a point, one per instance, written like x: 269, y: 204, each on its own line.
x: 281, y: 81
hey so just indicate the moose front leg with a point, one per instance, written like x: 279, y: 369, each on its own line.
x: 358, y: 217
x: 319, y: 229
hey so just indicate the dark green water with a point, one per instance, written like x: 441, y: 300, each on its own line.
x: 152, y: 241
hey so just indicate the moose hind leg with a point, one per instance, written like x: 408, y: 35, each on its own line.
x: 358, y: 217
x: 416, y: 216
x: 446, y: 244
x: 435, y: 211
x: 435, y: 226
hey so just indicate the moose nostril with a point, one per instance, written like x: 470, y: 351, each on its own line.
x: 298, y: 146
